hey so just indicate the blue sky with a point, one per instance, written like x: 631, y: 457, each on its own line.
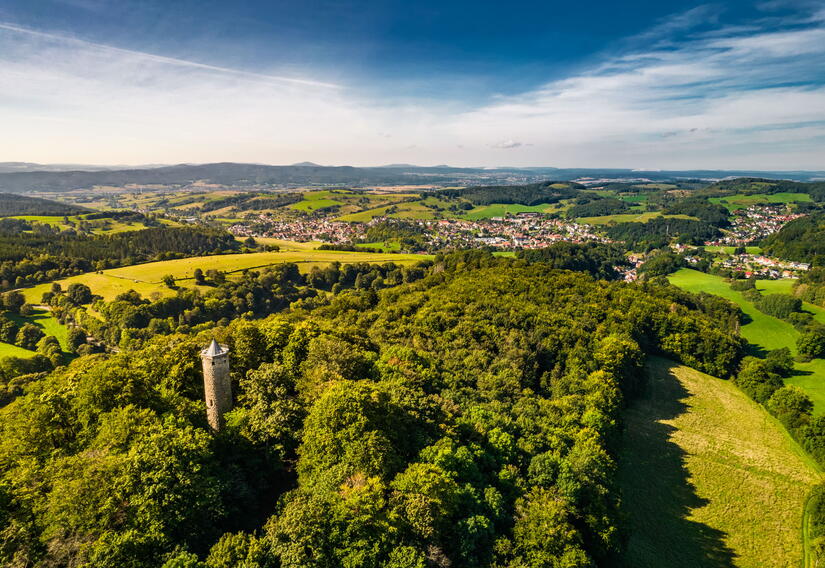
x: 647, y: 84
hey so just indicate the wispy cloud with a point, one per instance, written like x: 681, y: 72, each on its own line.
x: 148, y: 57
x: 742, y: 95
x: 507, y: 144
x: 687, y: 94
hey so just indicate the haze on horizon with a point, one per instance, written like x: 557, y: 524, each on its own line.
x: 665, y: 85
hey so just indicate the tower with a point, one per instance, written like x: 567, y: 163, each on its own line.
x: 217, y: 387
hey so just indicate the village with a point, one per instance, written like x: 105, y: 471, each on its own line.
x: 755, y: 223
x: 522, y: 231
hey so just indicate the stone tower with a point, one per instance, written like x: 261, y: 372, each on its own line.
x: 217, y: 386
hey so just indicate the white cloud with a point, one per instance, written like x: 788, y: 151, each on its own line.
x: 507, y: 144
x: 734, y: 98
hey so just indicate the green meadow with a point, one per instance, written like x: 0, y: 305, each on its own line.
x: 314, y: 200
x: 708, y: 477
x: 44, y: 320
x: 745, y: 200
x: 764, y: 332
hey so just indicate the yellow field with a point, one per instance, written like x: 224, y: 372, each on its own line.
x: 709, y: 478
x: 146, y: 278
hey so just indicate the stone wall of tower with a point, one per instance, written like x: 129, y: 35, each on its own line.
x: 217, y: 388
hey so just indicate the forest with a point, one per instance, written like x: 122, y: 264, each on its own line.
x: 12, y: 204
x: 802, y: 239
x: 31, y: 253
x: 468, y: 418
x: 529, y: 194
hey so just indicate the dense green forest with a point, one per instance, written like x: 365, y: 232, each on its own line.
x: 252, y: 201
x: 530, y: 194
x: 469, y: 418
x: 710, y: 213
x: 12, y: 204
x: 802, y: 240
x: 597, y: 207
x: 657, y: 232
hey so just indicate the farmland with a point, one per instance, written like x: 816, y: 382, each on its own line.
x: 146, y: 278
x: 709, y: 478
x: 764, y: 332
x: 745, y: 200
x: 314, y: 200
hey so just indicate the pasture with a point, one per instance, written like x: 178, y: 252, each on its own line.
x: 504, y: 209
x: 146, y: 278
x: 764, y: 332
x: 741, y: 200
x: 314, y: 200
x: 731, y: 250
x: 42, y: 319
x: 709, y: 478
x: 632, y: 217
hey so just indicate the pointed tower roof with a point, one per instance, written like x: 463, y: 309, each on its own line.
x: 214, y: 350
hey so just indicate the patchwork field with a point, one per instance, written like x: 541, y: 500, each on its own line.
x: 146, y: 278
x: 764, y: 332
x: 709, y: 478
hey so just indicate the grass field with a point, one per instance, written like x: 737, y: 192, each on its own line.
x: 384, y: 246
x: 314, y: 200
x: 502, y: 209
x: 9, y: 350
x: 45, y: 321
x: 146, y: 278
x: 731, y: 250
x: 744, y: 200
x: 635, y: 217
x: 42, y: 319
x: 764, y: 332
x: 709, y: 478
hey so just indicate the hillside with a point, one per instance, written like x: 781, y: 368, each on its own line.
x: 801, y: 240
x: 12, y: 204
x: 466, y: 419
x: 709, y: 478
x: 762, y: 331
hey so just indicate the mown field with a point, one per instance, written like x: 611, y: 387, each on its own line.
x: 146, y: 278
x: 709, y: 478
x: 764, y: 332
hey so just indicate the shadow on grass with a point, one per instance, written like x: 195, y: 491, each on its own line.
x: 656, y: 492
x: 756, y: 351
x: 799, y: 373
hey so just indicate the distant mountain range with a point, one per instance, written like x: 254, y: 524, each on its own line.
x: 21, y: 177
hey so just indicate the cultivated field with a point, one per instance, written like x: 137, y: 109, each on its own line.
x: 146, y: 278
x: 764, y: 332
x: 709, y: 478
